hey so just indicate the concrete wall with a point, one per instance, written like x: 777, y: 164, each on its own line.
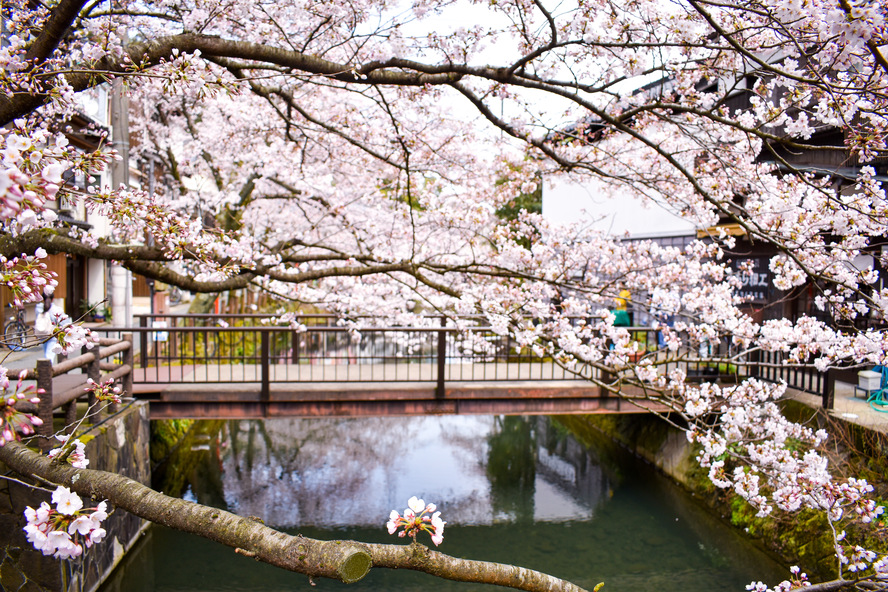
x: 118, y: 444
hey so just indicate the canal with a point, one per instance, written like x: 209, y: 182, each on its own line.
x: 512, y: 489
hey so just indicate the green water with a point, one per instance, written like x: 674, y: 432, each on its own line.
x: 512, y: 489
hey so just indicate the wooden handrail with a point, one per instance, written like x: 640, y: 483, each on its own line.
x: 73, y: 363
x: 114, y: 346
x: 118, y: 347
x: 46, y: 371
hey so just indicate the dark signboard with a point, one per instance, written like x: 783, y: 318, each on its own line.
x: 755, y: 275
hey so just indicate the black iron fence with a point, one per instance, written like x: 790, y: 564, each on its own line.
x: 239, y: 348
x: 202, y: 350
x: 773, y: 367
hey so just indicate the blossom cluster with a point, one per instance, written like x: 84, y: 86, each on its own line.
x: 33, y: 166
x: 417, y: 517
x: 104, y: 391
x: 34, y: 161
x: 288, y: 319
x: 13, y: 421
x: 133, y: 212
x: 63, y: 531
x: 71, y: 336
x: 27, y: 277
x: 767, y: 459
x: 771, y: 462
x: 74, y: 452
x: 798, y: 580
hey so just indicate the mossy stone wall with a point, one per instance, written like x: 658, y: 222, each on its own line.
x: 117, y: 444
x: 801, y: 539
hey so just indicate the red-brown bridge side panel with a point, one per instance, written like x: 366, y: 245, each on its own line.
x: 245, y: 401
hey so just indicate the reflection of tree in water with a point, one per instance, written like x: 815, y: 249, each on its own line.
x: 511, y: 467
x: 589, y: 478
x: 186, y: 461
x: 292, y: 472
x: 537, y: 470
x: 332, y: 472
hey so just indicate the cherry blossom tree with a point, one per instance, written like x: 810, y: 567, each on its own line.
x: 355, y: 156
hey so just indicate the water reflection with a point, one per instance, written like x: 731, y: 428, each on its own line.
x: 513, y: 489
x: 349, y: 472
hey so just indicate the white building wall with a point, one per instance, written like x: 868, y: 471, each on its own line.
x: 568, y: 202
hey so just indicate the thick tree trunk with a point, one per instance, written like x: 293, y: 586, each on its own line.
x: 346, y: 561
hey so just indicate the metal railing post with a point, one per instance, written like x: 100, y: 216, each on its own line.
x: 128, y: 360
x: 44, y: 407
x: 143, y: 343
x: 294, y: 350
x: 755, y: 359
x: 265, y: 389
x: 442, y: 358
x: 827, y: 386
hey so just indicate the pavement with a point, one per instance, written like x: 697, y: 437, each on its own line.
x: 17, y: 361
x: 847, y: 407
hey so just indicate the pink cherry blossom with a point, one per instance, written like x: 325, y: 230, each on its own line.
x: 75, y: 451
x: 66, y: 501
x: 418, y: 517
x: 62, y: 532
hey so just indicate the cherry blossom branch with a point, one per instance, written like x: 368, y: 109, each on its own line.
x: 55, y: 27
x: 420, y: 558
x: 346, y: 561
x: 552, y: 43
x: 148, y: 54
x: 267, y: 93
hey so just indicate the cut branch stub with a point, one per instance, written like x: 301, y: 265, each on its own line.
x: 351, y: 560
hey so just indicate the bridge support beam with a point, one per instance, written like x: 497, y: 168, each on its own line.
x: 199, y: 402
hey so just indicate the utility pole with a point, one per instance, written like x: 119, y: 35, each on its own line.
x: 121, y: 278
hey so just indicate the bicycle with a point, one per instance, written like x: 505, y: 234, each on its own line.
x: 16, y: 333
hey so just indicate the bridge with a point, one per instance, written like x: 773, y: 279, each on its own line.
x: 236, y: 366
x: 210, y: 366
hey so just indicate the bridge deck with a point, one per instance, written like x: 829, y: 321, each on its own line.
x: 220, y: 391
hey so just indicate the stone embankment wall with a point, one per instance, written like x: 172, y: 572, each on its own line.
x: 801, y: 539
x: 117, y: 444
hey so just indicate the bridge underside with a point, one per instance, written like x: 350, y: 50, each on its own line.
x: 241, y: 401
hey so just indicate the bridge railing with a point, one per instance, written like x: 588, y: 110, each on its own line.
x: 212, y: 348
x: 236, y: 349
x: 323, y: 353
x: 773, y: 367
